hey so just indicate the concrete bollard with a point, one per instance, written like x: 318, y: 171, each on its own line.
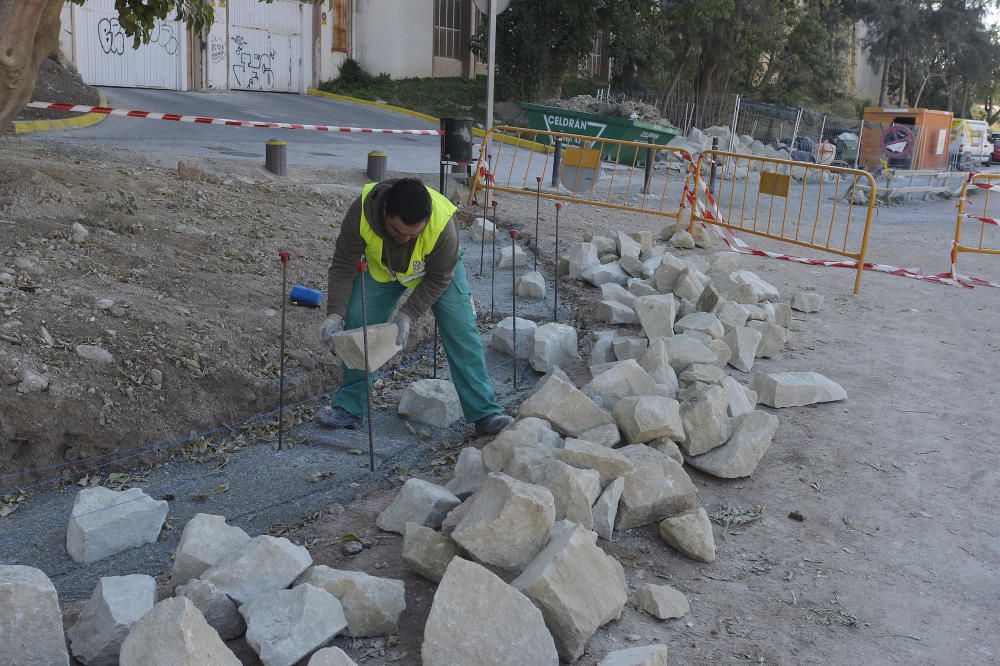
x: 378, y: 163
x: 275, y: 157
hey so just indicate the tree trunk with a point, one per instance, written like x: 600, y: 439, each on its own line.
x: 884, y: 90
x: 902, y: 86
x: 553, y: 81
x: 29, y: 32
x: 678, y: 72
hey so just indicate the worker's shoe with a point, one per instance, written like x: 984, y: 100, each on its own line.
x: 492, y: 424
x: 336, y: 417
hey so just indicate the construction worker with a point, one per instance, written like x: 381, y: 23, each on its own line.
x: 406, y: 233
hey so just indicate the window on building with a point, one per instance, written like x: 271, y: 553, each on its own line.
x: 340, y: 12
x: 448, y: 28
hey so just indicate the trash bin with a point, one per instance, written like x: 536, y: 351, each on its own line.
x: 457, y: 140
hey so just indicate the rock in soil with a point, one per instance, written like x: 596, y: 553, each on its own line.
x: 107, y: 617
x: 31, y: 626
x: 418, y: 501
x: 690, y: 534
x: 173, y: 633
x: 105, y: 522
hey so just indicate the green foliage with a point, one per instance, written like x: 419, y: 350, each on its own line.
x: 354, y: 77
x: 121, y: 201
x: 440, y: 97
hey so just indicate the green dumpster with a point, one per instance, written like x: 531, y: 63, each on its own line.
x: 554, y: 119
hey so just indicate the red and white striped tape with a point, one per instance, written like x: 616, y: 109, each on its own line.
x: 985, y: 220
x: 203, y: 120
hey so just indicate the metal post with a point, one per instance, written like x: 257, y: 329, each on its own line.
x: 434, y: 354
x: 711, y: 172
x: 795, y: 132
x: 538, y: 203
x: 555, y: 299
x: 556, y: 162
x: 822, y: 128
x: 493, y: 270
x: 285, y: 257
x: 736, y: 119
x: 861, y: 133
x: 442, y: 178
x: 275, y: 157
x: 486, y: 203
x: 362, y: 268
x: 491, y: 65
x: 513, y: 297
x: 650, y: 158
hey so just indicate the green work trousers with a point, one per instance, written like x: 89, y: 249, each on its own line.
x: 456, y: 323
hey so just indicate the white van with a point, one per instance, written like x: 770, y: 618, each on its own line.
x: 970, y: 143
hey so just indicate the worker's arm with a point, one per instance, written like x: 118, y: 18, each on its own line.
x: 440, y: 267
x: 344, y: 266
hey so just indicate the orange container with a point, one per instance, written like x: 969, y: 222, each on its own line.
x: 906, y: 138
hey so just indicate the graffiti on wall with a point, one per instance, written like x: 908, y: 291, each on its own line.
x: 252, y: 69
x: 217, y: 49
x: 111, y: 36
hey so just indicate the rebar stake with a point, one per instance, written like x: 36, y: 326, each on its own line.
x: 493, y: 271
x: 486, y: 203
x: 285, y: 258
x: 363, y: 268
x: 434, y: 354
x: 538, y: 203
x: 513, y: 297
x: 555, y: 282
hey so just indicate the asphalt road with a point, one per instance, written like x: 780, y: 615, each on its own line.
x: 168, y: 141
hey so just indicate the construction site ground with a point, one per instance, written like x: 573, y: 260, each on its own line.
x: 895, y: 558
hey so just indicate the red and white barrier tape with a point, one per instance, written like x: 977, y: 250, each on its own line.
x: 985, y: 220
x: 203, y: 120
x: 984, y: 186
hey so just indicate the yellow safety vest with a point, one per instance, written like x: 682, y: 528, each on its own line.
x: 441, y: 211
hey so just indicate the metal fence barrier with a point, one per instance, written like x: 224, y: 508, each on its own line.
x: 793, y: 202
x: 975, y: 242
x: 624, y: 175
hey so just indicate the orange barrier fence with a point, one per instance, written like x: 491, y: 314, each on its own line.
x: 793, y: 202
x: 974, y: 237
x: 624, y: 175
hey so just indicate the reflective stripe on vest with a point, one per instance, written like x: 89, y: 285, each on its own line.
x: 441, y: 211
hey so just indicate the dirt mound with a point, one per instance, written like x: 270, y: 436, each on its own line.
x: 59, y: 81
x: 590, y: 104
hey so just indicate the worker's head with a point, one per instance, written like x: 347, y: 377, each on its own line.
x: 407, y: 209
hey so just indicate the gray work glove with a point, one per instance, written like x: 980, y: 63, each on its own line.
x: 403, y: 321
x: 333, y: 324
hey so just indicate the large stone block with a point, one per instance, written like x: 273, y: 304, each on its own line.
x: 577, y: 587
x: 629, y: 347
x: 703, y: 373
x: 502, y: 337
x: 605, y: 509
x: 724, y: 262
x: 795, y: 389
x: 531, y: 285
x: 623, y: 379
x: 658, y: 487
x: 349, y: 346
x: 433, y: 402
x: 722, y: 353
x: 656, y: 362
x: 603, y: 244
x: 216, y: 607
x: 574, y: 490
x: 567, y: 408
x: 682, y: 240
x: 656, y: 315
x: 743, y: 343
x: 733, y: 315
x: 613, y: 312
x: 739, y: 403
x: 690, y: 534
x: 605, y: 273
x: 706, y: 421
x: 646, y: 655
x: 773, y: 338
x: 603, y: 350
x: 684, y: 349
x: 206, y: 539
x: 662, y: 601
x: 642, y: 288
x: 469, y: 473
x: 105, y: 522
x: 701, y: 322
x: 581, y: 257
x: 420, y: 502
x: 635, y: 268
x: 286, y: 626
x: 427, y: 552
x: 687, y: 285
x: 617, y: 293
x: 331, y: 656
x: 806, y: 301
x: 555, y: 345
x: 732, y: 289
x: 31, y: 627
x: 508, y: 256
x: 371, y: 604
x: 628, y: 246
x: 263, y: 564
x: 531, y: 432
x: 645, y: 418
x: 608, y: 463
x: 476, y: 618
x: 483, y: 229
x: 605, y: 435
x: 506, y: 523
x: 761, y: 290
x: 174, y: 633
x: 739, y: 457
x: 106, y: 618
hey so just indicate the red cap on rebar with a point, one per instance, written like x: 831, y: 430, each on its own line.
x: 558, y: 205
x: 285, y: 257
x: 538, y: 179
x: 494, y: 203
x: 513, y: 234
x: 362, y: 266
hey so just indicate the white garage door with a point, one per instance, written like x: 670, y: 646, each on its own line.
x: 265, y: 45
x: 105, y: 57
